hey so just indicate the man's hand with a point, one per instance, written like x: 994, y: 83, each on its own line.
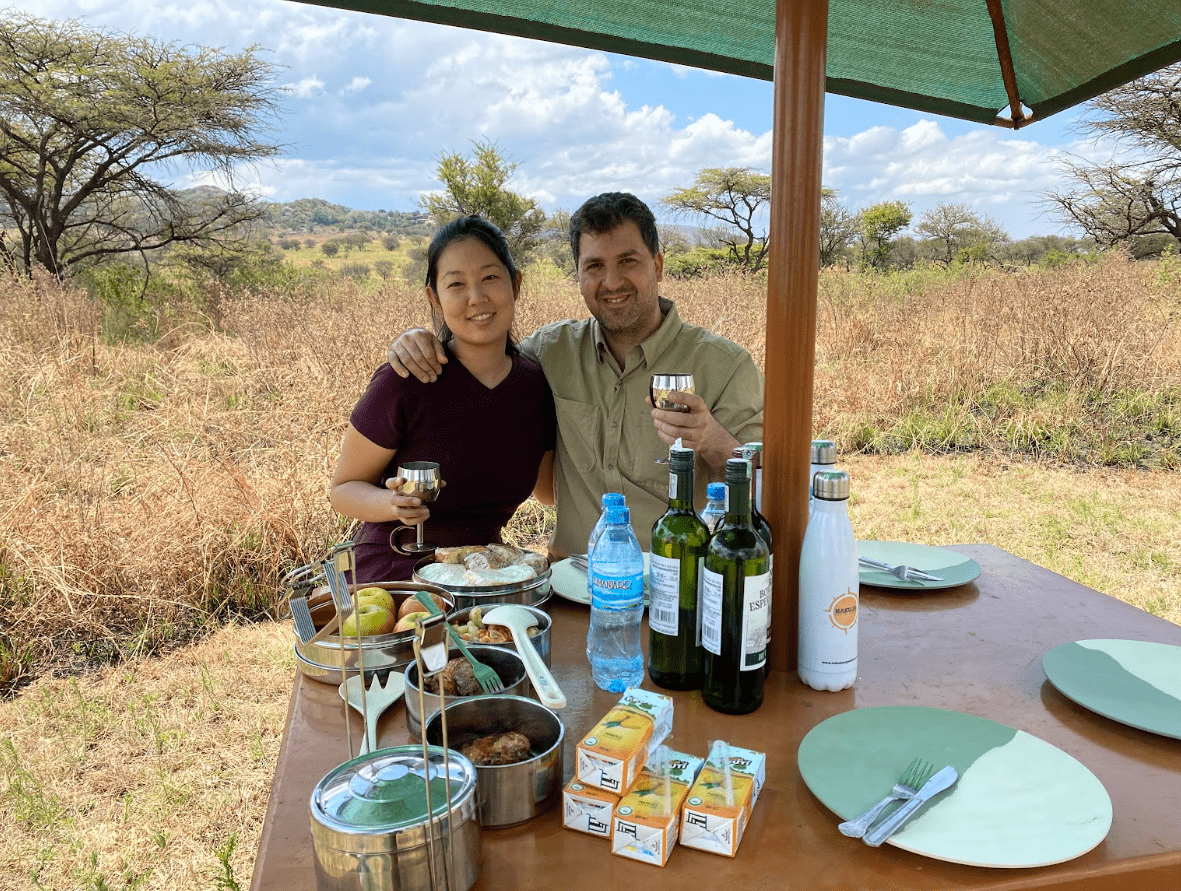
x: 416, y: 351
x: 696, y: 428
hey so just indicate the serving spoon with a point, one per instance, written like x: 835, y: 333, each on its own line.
x: 517, y: 620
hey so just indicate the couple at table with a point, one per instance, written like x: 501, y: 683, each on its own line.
x: 563, y: 414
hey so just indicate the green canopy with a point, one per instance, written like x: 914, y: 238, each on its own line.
x: 969, y: 59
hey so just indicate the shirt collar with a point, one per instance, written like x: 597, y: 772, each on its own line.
x: 656, y: 343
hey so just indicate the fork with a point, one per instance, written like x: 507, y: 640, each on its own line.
x: 902, y: 573
x: 486, y: 676
x: 916, y: 774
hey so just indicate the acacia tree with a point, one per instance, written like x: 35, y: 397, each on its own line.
x: 838, y: 227
x: 734, y: 196
x: 877, y: 226
x: 954, y: 228
x: 1124, y: 200
x: 91, y: 120
x: 477, y: 185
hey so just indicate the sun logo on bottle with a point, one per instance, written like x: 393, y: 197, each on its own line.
x: 842, y: 612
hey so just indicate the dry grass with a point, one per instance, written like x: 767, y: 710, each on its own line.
x: 152, y: 494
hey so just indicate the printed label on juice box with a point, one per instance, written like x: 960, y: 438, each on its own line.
x: 647, y: 818
x: 611, y: 755
x: 587, y: 809
x: 719, y: 803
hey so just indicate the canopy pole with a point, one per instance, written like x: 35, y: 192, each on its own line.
x: 801, y: 39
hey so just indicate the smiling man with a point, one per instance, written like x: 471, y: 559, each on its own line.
x: 609, y: 435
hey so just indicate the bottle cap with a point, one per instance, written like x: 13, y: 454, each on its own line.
x: 824, y: 451
x: 680, y: 459
x: 617, y: 513
x: 737, y: 471
x: 612, y: 498
x: 831, y: 485
x: 715, y: 491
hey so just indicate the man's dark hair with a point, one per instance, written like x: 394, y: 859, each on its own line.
x: 605, y: 212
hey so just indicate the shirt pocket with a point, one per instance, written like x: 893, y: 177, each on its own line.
x: 579, y: 433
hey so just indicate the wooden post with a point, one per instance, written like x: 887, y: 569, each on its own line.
x: 801, y: 37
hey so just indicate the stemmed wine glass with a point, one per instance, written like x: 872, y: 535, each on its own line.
x: 422, y: 479
x: 664, y: 384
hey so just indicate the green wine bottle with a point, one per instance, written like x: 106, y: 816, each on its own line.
x: 735, y: 604
x: 679, y: 540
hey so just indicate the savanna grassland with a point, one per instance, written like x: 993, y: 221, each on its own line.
x: 162, y: 466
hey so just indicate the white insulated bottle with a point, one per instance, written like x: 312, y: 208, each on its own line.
x: 829, y: 588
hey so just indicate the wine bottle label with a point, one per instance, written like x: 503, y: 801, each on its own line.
x: 711, y: 611
x: 664, y: 594
x: 697, y: 612
x: 672, y: 487
x: 756, y: 619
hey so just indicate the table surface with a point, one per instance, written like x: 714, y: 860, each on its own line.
x: 974, y: 649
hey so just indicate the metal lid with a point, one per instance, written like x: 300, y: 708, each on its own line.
x: 831, y: 485
x: 824, y: 452
x: 737, y: 470
x: 386, y: 791
x: 680, y: 459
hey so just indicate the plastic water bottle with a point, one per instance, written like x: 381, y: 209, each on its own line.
x: 715, y: 505
x: 616, y: 574
x: 829, y: 588
x: 610, y: 499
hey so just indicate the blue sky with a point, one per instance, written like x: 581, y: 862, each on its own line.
x: 370, y: 102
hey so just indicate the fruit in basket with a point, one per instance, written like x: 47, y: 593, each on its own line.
x: 380, y: 596
x: 372, y: 618
x: 412, y: 605
x: 406, y: 623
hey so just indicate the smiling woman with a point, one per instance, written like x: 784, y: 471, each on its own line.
x: 488, y: 422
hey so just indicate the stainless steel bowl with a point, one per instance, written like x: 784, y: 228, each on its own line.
x: 330, y: 659
x: 541, y: 640
x: 531, y: 592
x: 506, y: 663
x: 508, y: 793
x: 370, y: 827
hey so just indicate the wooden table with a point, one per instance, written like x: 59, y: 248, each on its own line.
x: 975, y: 649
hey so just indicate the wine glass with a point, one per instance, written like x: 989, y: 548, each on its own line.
x: 422, y: 479
x: 664, y: 384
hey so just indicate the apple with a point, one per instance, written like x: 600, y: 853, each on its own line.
x: 373, y: 620
x: 380, y: 596
x: 412, y: 605
x: 406, y: 623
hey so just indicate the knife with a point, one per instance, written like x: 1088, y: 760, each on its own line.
x: 942, y: 780
x: 886, y: 567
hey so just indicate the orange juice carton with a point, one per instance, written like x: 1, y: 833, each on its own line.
x: 720, y: 802
x: 611, y: 755
x: 647, y: 818
x: 587, y: 809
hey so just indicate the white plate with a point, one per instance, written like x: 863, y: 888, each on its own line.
x: 955, y: 569
x: 1019, y: 801
x: 569, y: 582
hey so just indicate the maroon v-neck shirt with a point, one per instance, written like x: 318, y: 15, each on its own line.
x: 488, y: 442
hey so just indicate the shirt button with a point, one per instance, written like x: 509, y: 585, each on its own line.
x: 610, y: 466
x: 614, y: 423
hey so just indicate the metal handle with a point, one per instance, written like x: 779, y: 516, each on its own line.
x: 857, y: 828
x: 892, y: 823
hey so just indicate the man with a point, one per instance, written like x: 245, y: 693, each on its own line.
x: 599, y: 370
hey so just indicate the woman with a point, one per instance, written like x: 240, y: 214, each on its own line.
x: 488, y: 421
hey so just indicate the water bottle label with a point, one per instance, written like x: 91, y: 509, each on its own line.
x: 664, y: 595
x: 711, y: 611
x: 756, y: 619
x: 617, y: 592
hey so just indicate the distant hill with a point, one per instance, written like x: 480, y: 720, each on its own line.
x: 315, y: 215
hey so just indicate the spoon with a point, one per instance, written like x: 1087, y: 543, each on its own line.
x: 518, y: 620
x: 380, y: 697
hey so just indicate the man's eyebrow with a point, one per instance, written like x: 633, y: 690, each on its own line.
x: 589, y: 258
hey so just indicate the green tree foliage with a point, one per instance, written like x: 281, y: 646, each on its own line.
x: 734, y: 197
x: 1138, y: 194
x: 955, y: 230
x: 89, y: 119
x: 877, y: 226
x: 477, y: 185
x: 838, y: 228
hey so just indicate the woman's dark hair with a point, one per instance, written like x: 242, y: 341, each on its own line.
x: 472, y: 226
x: 603, y: 213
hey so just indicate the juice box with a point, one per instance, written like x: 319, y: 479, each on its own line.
x: 647, y: 818
x: 587, y: 809
x: 710, y: 821
x: 611, y: 755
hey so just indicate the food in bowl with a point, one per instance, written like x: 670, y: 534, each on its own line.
x: 372, y: 619
x: 475, y: 631
x: 413, y: 605
x: 457, y: 678
x: 482, y: 566
x: 498, y: 748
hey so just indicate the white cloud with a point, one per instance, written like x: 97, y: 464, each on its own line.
x: 356, y: 85
x: 306, y: 88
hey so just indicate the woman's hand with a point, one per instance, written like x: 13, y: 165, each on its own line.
x: 406, y: 508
